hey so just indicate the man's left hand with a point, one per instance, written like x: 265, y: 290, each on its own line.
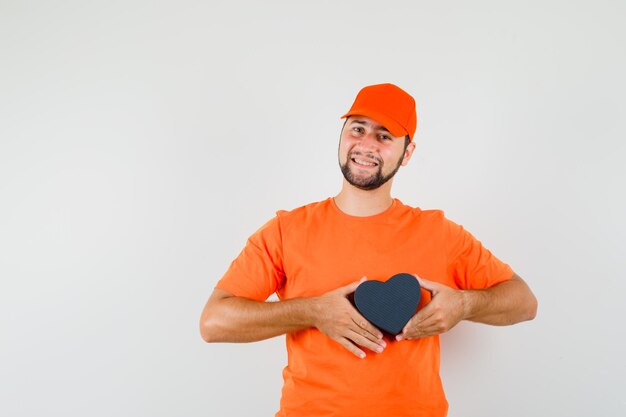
x: 445, y: 309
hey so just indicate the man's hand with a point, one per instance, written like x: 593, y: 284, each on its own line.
x: 506, y: 303
x: 338, y: 319
x: 446, y: 308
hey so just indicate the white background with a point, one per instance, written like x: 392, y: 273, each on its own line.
x: 141, y: 143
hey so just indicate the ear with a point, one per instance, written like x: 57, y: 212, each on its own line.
x: 408, y: 153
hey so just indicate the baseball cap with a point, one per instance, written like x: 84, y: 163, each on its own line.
x: 390, y: 105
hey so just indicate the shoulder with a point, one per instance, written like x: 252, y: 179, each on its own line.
x: 285, y: 219
x: 303, y: 212
x: 275, y: 228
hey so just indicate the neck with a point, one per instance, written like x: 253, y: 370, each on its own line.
x: 357, y: 202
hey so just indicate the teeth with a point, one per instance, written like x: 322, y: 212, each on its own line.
x: 362, y: 162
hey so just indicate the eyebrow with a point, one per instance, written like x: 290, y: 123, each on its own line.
x: 363, y: 122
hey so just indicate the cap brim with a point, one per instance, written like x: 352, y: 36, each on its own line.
x: 391, y: 125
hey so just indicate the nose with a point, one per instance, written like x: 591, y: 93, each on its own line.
x: 368, y: 141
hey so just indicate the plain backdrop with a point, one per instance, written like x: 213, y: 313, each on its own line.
x: 142, y: 142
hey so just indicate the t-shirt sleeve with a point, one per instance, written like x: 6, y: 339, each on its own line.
x: 257, y: 272
x: 470, y: 264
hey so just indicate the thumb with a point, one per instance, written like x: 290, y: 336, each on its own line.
x: 433, y: 287
x: 352, y: 287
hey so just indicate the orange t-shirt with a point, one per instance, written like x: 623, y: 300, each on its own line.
x: 317, y: 248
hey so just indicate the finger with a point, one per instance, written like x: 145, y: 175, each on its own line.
x: 366, y: 335
x: 360, y: 340
x: 416, y: 325
x: 430, y: 329
x: 366, y: 328
x: 427, y: 311
x: 433, y: 287
x: 352, y: 287
x: 412, y: 333
x: 424, y: 327
x: 409, y: 332
x: 430, y: 326
x: 419, y: 335
x: 347, y: 343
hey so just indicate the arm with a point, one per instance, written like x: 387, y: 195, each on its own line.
x: 227, y: 318
x: 506, y: 303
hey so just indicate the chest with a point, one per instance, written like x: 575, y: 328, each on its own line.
x: 320, y: 259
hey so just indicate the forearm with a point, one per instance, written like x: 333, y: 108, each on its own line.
x: 235, y: 319
x: 506, y: 303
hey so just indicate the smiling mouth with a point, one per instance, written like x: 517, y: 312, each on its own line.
x: 363, y: 163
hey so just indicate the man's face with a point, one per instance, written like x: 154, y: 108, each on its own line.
x: 369, y: 155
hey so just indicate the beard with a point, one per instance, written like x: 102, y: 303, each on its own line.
x: 373, y: 180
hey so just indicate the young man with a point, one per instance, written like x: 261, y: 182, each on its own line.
x: 314, y: 256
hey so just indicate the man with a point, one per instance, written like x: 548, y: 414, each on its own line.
x: 314, y: 256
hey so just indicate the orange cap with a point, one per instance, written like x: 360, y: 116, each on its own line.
x: 388, y: 104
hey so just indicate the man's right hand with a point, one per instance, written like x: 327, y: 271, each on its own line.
x: 338, y: 319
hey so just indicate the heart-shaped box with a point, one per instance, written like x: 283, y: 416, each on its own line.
x: 389, y: 305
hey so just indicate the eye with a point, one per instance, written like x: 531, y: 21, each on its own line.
x: 385, y: 137
x: 358, y: 129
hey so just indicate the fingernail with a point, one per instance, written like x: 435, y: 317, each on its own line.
x: 379, y: 349
x: 362, y: 355
x: 383, y: 343
x: 399, y: 337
